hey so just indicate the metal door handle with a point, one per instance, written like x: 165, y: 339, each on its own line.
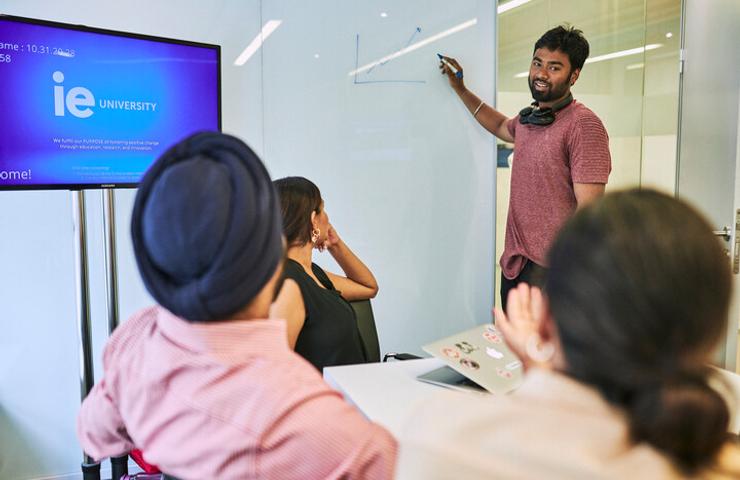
x: 726, y: 232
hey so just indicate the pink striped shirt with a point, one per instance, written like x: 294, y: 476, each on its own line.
x: 225, y: 400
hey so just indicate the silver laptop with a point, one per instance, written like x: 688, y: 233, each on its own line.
x: 478, y: 360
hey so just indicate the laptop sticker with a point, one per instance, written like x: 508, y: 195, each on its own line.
x: 492, y: 336
x: 468, y: 363
x: 493, y: 353
x: 514, y: 365
x: 503, y: 373
x: 450, y: 352
x: 466, y: 347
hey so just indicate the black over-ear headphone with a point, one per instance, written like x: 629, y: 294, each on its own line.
x: 534, y: 115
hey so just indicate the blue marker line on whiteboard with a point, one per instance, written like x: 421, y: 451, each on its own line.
x: 457, y: 72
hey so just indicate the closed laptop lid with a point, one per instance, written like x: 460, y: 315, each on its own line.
x: 481, y: 355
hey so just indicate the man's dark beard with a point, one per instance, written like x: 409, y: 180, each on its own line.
x: 556, y: 91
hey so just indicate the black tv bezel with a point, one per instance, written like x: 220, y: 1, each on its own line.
x: 117, y: 33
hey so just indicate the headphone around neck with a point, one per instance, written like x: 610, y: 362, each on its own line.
x: 534, y: 115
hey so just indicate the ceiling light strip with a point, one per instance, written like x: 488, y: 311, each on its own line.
x: 255, y: 44
x: 610, y: 56
x: 510, y: 5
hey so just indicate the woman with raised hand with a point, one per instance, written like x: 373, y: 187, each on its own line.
x: 615, y: 348
x: 321, y: 323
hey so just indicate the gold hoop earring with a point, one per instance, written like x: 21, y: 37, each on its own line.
x: 315, y: 233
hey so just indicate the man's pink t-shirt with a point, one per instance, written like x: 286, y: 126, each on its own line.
x: 548, y: 160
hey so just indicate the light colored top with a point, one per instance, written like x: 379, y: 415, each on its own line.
x: 225, y: 400
x: 551, y: 427
x: 548, y: 160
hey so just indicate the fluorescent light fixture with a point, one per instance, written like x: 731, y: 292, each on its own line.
x: 383, y: 14
x: 255, y: 44
x: 624, y: 53
x: 510, y: 5
x: 415, y: 46
x: 635, y: 66
x: 610, y: 56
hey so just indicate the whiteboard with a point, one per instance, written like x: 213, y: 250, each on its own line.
x: 406, y: 173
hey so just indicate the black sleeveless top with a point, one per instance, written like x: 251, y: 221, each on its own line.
x: 329, y: 335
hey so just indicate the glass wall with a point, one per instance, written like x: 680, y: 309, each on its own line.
x: 630, y: 81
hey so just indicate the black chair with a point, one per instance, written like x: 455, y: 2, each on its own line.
x: 369, y: 334
x: 366, y: 325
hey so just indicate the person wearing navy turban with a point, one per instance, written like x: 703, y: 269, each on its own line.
x: 205, y: 383
x: 206, y: 227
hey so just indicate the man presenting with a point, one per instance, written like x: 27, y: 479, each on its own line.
x: 561, y: 152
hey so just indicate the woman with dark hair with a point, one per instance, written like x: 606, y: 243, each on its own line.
x: 321, y: 323
x: 616, y: 350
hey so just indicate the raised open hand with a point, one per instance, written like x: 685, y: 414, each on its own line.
x: 522, y: 323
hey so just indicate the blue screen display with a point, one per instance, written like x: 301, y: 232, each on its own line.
x: 83, y: 108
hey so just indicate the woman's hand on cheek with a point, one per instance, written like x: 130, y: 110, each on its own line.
x: 332, y: 238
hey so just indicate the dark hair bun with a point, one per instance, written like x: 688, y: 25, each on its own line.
x: 685, y: 418
x: 639, y: 290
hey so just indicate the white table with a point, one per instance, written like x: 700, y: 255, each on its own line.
x: 387, y: 393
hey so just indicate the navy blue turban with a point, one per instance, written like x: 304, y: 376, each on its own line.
x: 206, y: 227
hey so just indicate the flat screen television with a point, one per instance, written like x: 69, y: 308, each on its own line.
x: 84, y: 107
